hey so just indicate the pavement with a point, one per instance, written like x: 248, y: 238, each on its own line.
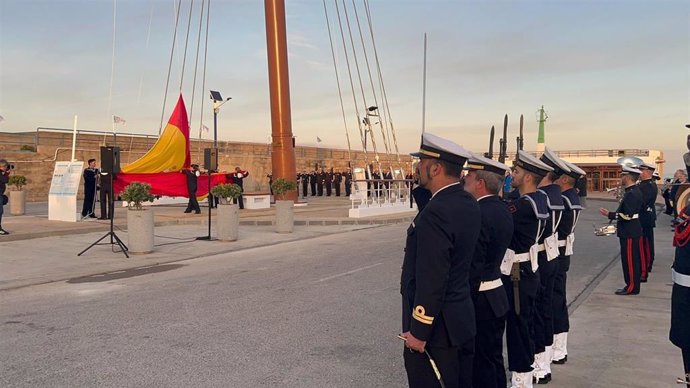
x: 615, y: 341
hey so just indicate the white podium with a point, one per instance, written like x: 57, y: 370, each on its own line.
x: 62, y: 197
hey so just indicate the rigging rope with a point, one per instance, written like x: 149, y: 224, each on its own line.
x: 352, y: 86
x: 383, y: 89
x: 203, y: 78
x: 361, y: 86
x: 337, y: 80
x: 148, y: 37
x: 172, y: 52
x: 371, y: 80
x: 112, y: 69
x: 196, y: 63
x: 186, y: 42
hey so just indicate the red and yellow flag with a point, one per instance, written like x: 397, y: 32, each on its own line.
x: 171, y: 151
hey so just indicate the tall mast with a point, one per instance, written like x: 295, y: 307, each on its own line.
x: 283, y: 149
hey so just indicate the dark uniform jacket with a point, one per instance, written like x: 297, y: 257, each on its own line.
x: 649, y: 193
x: 680, y: 297
x: 530, y: 214
x: 554, y: 201
x: 572, y: 209
x: 90, y: 175
x: 494, y: 237
x: 627, y: 214
x: 437, y: 306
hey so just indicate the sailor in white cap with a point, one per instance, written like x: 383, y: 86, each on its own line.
x: 647, y: 216
x: 566, y: 240
x: 438, y: 313
x: 519, y: 266
x: 484, y: 180
x: 629, y: 230
x: 548, y: 253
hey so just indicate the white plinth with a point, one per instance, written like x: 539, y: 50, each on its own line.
x: 257, y: 201
x: 384, y: 209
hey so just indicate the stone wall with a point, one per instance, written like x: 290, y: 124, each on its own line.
x: 52, y: 146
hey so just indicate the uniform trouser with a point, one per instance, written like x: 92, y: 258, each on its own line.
x: 304, y: 189
x: 347, y: 189
x: 319, y: 188
x: 328, y: 189
x: 543, y: 308
x: 630, y: 259
x: 648, y: 234
x: 520, y: 328
x: 448, y: 361
x: 89, y: 200
x: 313, y: 189
x: 561, y: 323
x: 337, y: 189
x: 488, y: 368
x: 240, y: 201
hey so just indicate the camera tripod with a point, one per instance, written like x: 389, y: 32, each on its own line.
x: 114, y: 239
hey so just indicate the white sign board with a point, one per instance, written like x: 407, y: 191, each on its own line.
x: 62, y: 197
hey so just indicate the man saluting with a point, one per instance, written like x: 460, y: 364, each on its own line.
x: 438, y: 315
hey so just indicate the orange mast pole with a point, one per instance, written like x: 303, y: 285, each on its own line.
x: 283, y: 149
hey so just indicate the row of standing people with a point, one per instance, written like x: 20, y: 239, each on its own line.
x: 324, y: 182
x: 477, y: 266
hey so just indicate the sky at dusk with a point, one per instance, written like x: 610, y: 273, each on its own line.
x: 610, y: 74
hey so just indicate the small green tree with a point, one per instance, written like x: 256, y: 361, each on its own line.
x: 281, y: 186
x: 226, y: 192
x: 136, y: 193
x: 17, y: 181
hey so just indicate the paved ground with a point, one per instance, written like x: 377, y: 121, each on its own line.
x: 316, y: 308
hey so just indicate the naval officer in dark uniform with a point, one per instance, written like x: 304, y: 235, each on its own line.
x: 566, y: 239
x: 519, y: 266
x: 548, y: 266
x: 90, y: 174
x: 629, y: 230
x: 680, y: 296
x: 484, y: 180
x: 437, y: 310
x: 649, y: 191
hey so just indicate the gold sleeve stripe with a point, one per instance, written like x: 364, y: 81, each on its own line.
x: 419, y: 314
x: 429, y: 153
x: 625, y: 217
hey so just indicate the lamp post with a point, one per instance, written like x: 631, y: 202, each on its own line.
x: 211, y: 156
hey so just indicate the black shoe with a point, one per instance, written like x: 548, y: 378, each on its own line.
x: 643, y: 280
x: 623, y: 291
x: 197, y: 211
x: 3, y: 232
x: 543, y: 380
x: 187, y: 211
x: 561, y: 361
x: 92, y: 216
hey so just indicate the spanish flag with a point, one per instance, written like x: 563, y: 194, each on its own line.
x: 171, y: 151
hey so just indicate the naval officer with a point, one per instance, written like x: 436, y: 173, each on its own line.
x: 484, y: 180
x: 519, y: 266
x: 437, y: 310
x: 680, y: 296
x: 629, y: 230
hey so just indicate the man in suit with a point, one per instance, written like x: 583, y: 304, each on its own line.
x: 484, y: 180
x: 329, y: 182
x: 320, y: 181
x: 519, y: 267
x: 629, y: 230
x: 90, y: 181
x: 438, y: 314
x: 313, y: 177
x: 649, y: 191
x: 304, y: 178
x: 337, y: 181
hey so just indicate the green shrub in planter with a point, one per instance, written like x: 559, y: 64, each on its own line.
x: 136, y: 193
x: 226, y: 192
x: 281, y: 186
x: 17, y: 181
